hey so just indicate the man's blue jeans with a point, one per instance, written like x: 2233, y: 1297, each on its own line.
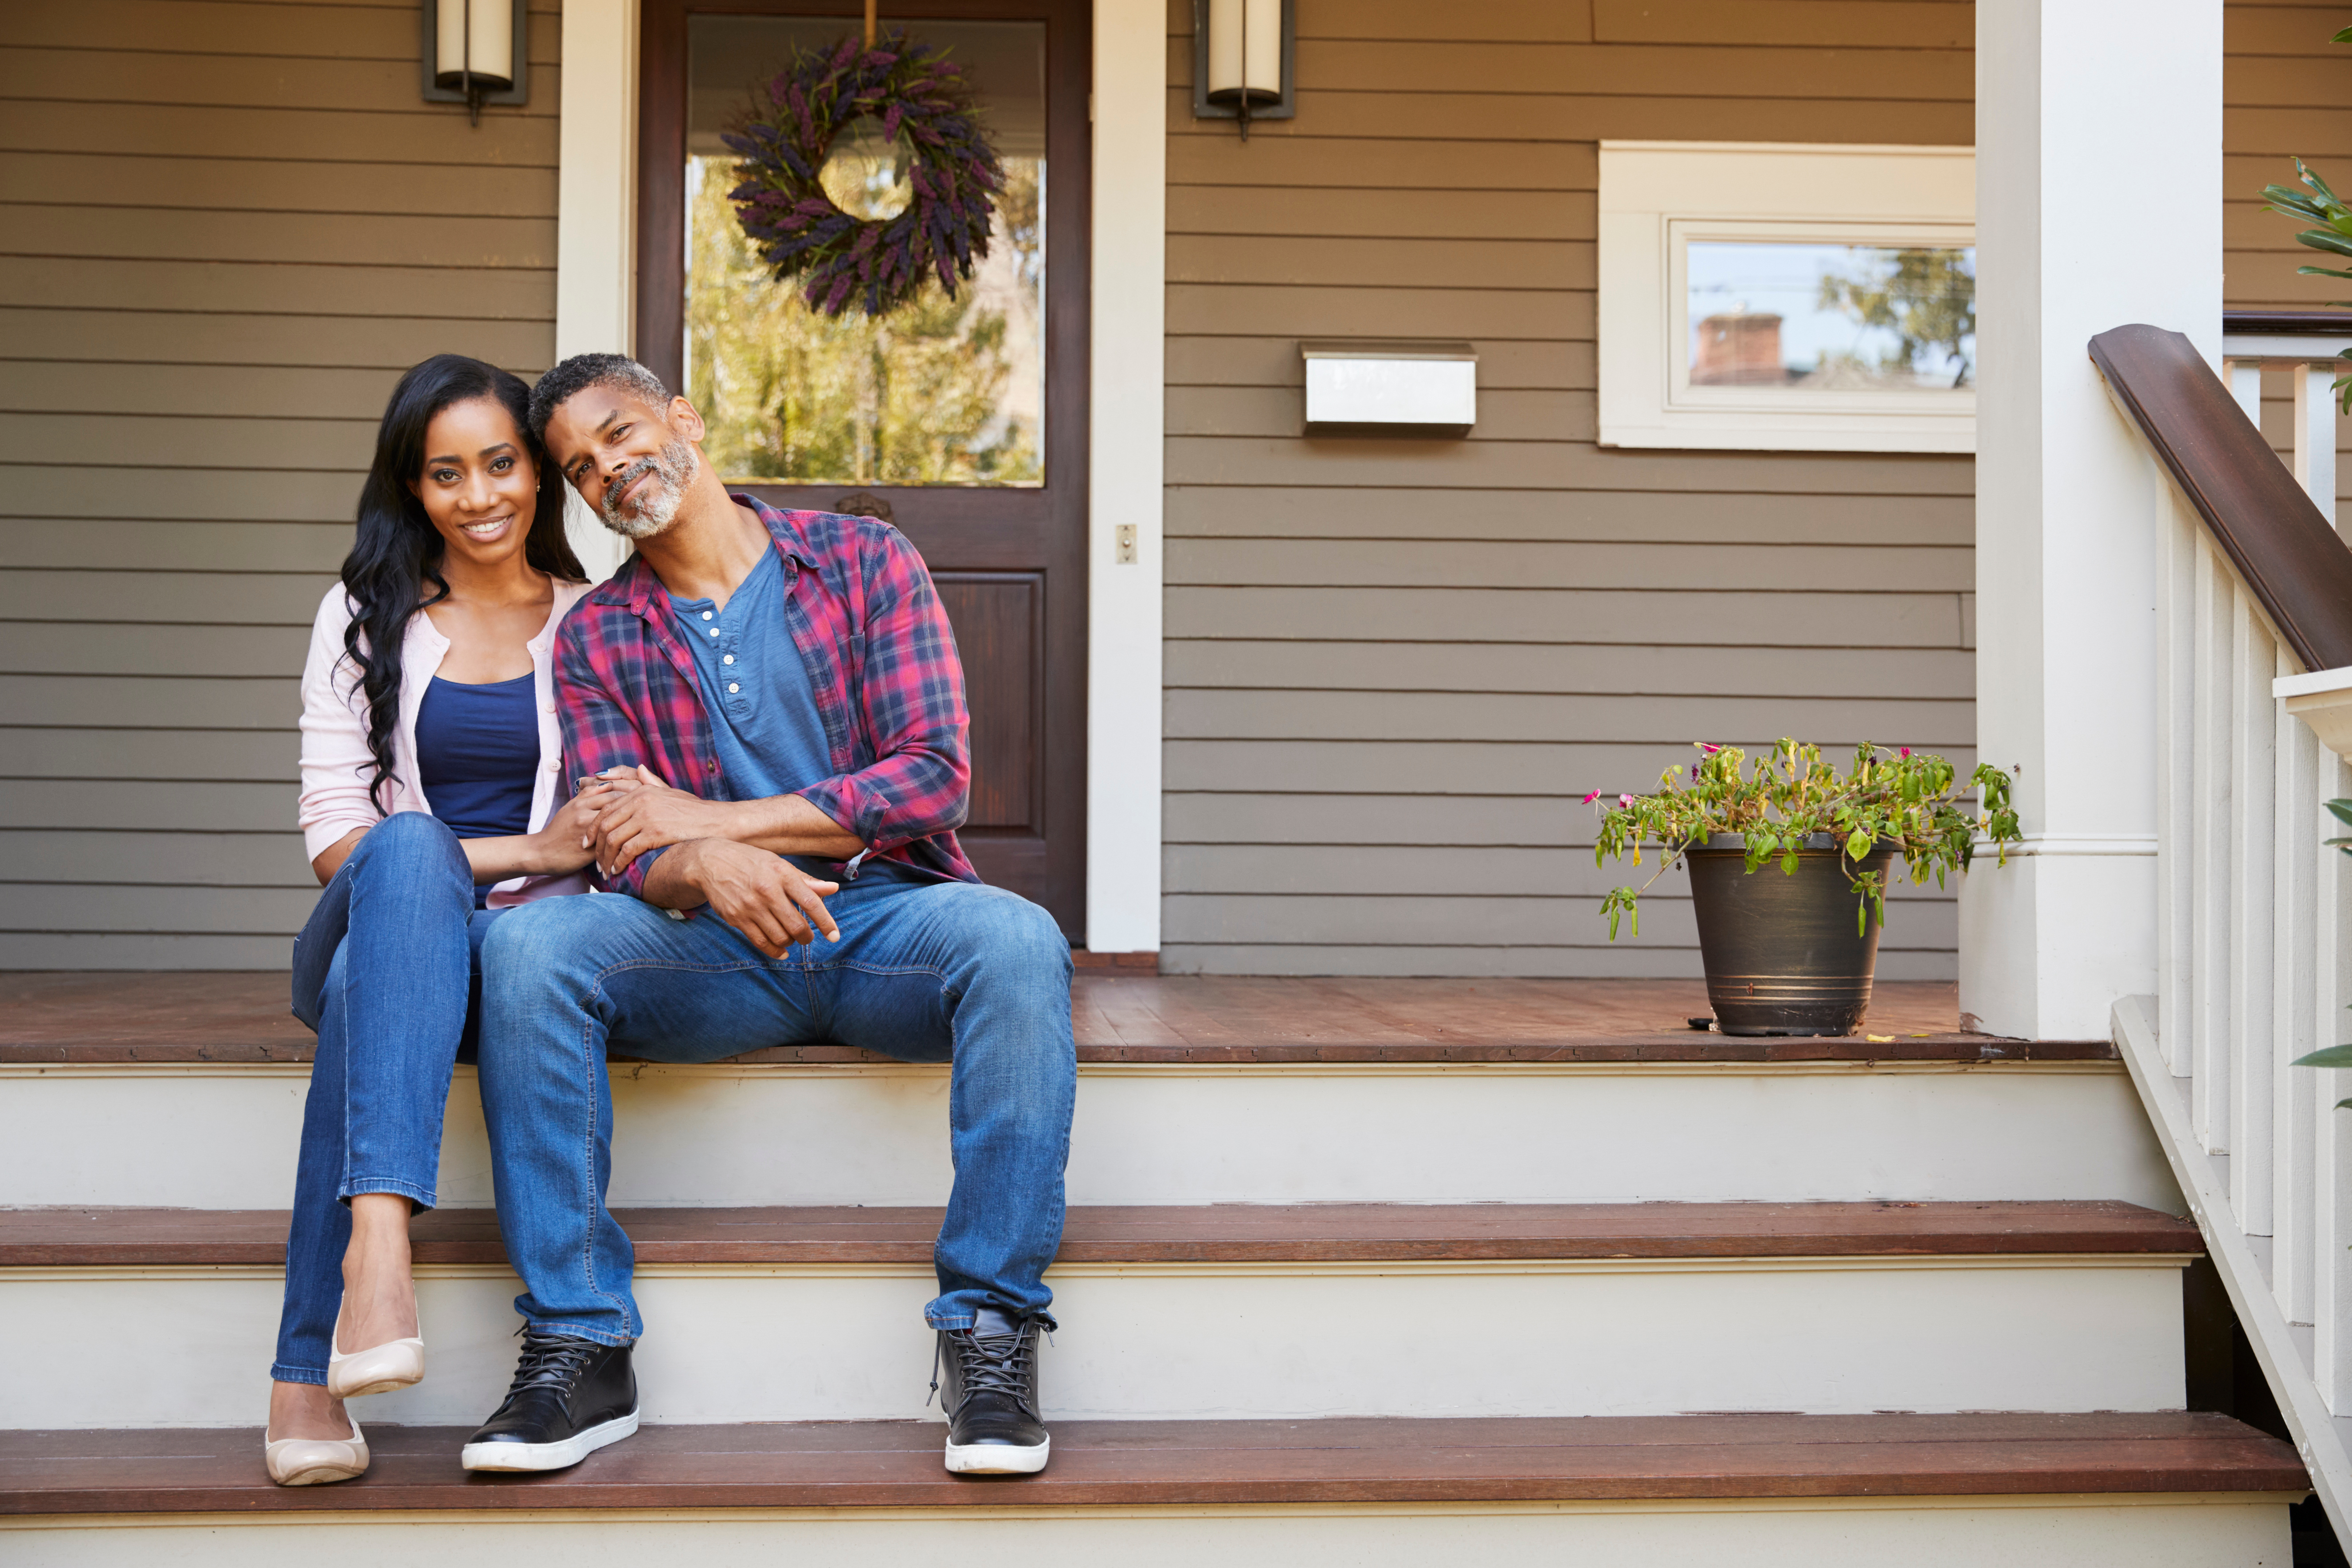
x: 387, y: 972
x: 950, y: 972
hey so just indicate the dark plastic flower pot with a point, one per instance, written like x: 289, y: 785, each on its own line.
x: 1783, y: 952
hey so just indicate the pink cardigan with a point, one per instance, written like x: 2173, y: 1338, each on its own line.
x: 336, y: 765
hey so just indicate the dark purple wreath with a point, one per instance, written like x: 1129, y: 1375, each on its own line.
x: 799, y: 231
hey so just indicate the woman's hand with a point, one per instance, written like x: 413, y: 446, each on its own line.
x: 647, y: 813
x: 568, y: 841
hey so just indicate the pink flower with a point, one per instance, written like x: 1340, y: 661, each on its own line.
x: 1907, y: 751
x: 1593, y: 796
x: 1710, y: 751
x: 1625, y: 800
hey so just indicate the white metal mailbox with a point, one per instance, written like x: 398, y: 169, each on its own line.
x: 1391, y: 388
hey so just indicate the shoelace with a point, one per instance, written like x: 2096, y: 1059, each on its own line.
x: 548, y: 1361
x: 989, y: 1363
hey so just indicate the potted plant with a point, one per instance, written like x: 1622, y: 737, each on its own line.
x: 1794, y: 954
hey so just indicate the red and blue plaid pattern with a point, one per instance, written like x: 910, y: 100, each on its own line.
x: 881, y: 661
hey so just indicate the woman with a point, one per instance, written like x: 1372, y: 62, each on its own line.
x: 431, y: 775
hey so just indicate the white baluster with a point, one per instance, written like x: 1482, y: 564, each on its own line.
x: 2176, y: 790
x: 2210, y: 847
x: 2295, y: 836
x: 2245, y: 379
x: 2253, y: 714
x: 2315, y: 434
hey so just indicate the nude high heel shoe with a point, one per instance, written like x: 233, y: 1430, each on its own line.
x: 312, y: 1461
x: 380, y: 1369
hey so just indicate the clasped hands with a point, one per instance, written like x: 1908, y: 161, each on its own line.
x: 767, y: 897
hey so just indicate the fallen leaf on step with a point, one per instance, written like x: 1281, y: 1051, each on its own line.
x: 1880, y: 1040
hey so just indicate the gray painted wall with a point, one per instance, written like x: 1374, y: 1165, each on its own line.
x: 225, y: 229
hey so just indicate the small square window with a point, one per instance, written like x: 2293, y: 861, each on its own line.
x: 1797, y: 297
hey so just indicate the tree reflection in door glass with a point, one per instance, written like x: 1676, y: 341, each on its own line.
x: 940, y: 392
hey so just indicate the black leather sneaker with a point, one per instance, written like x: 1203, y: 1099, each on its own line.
x: 570, y: 1396
x: 988, y: 1386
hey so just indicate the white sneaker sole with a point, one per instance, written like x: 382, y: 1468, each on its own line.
x: 997, y: 1458
x: 547, y: 1456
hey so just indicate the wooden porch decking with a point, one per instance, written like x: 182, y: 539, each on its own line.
x: 1118, y: 1017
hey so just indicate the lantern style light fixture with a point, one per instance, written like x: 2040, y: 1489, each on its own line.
x: 1243, y: 55
x: 476, y: 52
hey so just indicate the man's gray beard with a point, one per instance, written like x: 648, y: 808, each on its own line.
x: 649, y: 515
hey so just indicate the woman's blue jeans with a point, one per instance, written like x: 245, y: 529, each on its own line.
x: 387, y: 971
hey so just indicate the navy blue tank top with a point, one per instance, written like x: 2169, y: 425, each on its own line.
x: 478, y: 757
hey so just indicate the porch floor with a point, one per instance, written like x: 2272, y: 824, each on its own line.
x: 1118, y: 1017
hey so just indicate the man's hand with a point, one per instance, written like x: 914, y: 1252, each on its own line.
x: 644, y: 814
x: 765, y: 896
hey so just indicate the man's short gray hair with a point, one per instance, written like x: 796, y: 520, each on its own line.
x: 580, y: 371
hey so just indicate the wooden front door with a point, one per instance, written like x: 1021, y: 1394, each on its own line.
x: 962, y: 420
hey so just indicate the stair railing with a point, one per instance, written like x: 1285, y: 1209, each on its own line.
x: 2253, y: 910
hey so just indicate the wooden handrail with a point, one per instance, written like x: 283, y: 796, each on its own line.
x: 2286, y: 553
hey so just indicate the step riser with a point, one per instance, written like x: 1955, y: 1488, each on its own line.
x: 1958, y: 1532
x: 225, y: 1137
x: 180, y: 1348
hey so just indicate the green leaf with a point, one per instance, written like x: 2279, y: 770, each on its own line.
x: 2321, y: 272
x: 2294, y: 203
x: 1857, y: 845
x: 2324, y: 239
x: 2343, y: 38
x: 2330, y: 1056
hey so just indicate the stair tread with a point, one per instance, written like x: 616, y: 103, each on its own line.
x: 1229, y: 1233
x: 97, y: 1018
x: 1340, y: 1460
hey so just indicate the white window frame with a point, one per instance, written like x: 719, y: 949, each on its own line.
x: 1657, y: 197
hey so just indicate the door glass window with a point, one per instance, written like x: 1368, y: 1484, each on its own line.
x: 943, y: 391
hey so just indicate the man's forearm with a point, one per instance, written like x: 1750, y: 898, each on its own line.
x: 788, y: 825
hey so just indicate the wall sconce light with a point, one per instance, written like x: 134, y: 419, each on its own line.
x: 476, y: 52
x: 1242, y: 56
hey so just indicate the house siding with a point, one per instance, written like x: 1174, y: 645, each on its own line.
x: 224, y: 230
x: 1394, y: 667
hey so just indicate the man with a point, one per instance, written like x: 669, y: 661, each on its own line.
x: 774, y: 701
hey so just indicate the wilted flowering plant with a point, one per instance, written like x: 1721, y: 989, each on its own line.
x: 1900, y: 797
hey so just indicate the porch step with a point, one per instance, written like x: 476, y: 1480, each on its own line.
x: 187, y: 1091
x: 1224, y: 1233
x: 2154, y: 1489
x: 1261, y: 1312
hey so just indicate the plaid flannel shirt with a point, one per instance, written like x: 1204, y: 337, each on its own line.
x: 881, y: 662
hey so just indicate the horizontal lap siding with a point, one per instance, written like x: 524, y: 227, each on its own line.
x: 2287, y: 93
x: 1394, y: 667
x: 226, y: 227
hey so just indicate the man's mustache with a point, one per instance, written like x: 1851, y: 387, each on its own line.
x: 629, y: 476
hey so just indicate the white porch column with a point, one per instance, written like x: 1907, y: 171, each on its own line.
x: 2083, y: 110
x: 596, y: 214
x: 1128, y: 320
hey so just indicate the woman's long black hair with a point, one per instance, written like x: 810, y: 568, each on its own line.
x: 398, y: 550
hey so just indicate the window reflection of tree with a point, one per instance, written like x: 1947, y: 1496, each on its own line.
x: 943, y: 391
x: 1924, y: 298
